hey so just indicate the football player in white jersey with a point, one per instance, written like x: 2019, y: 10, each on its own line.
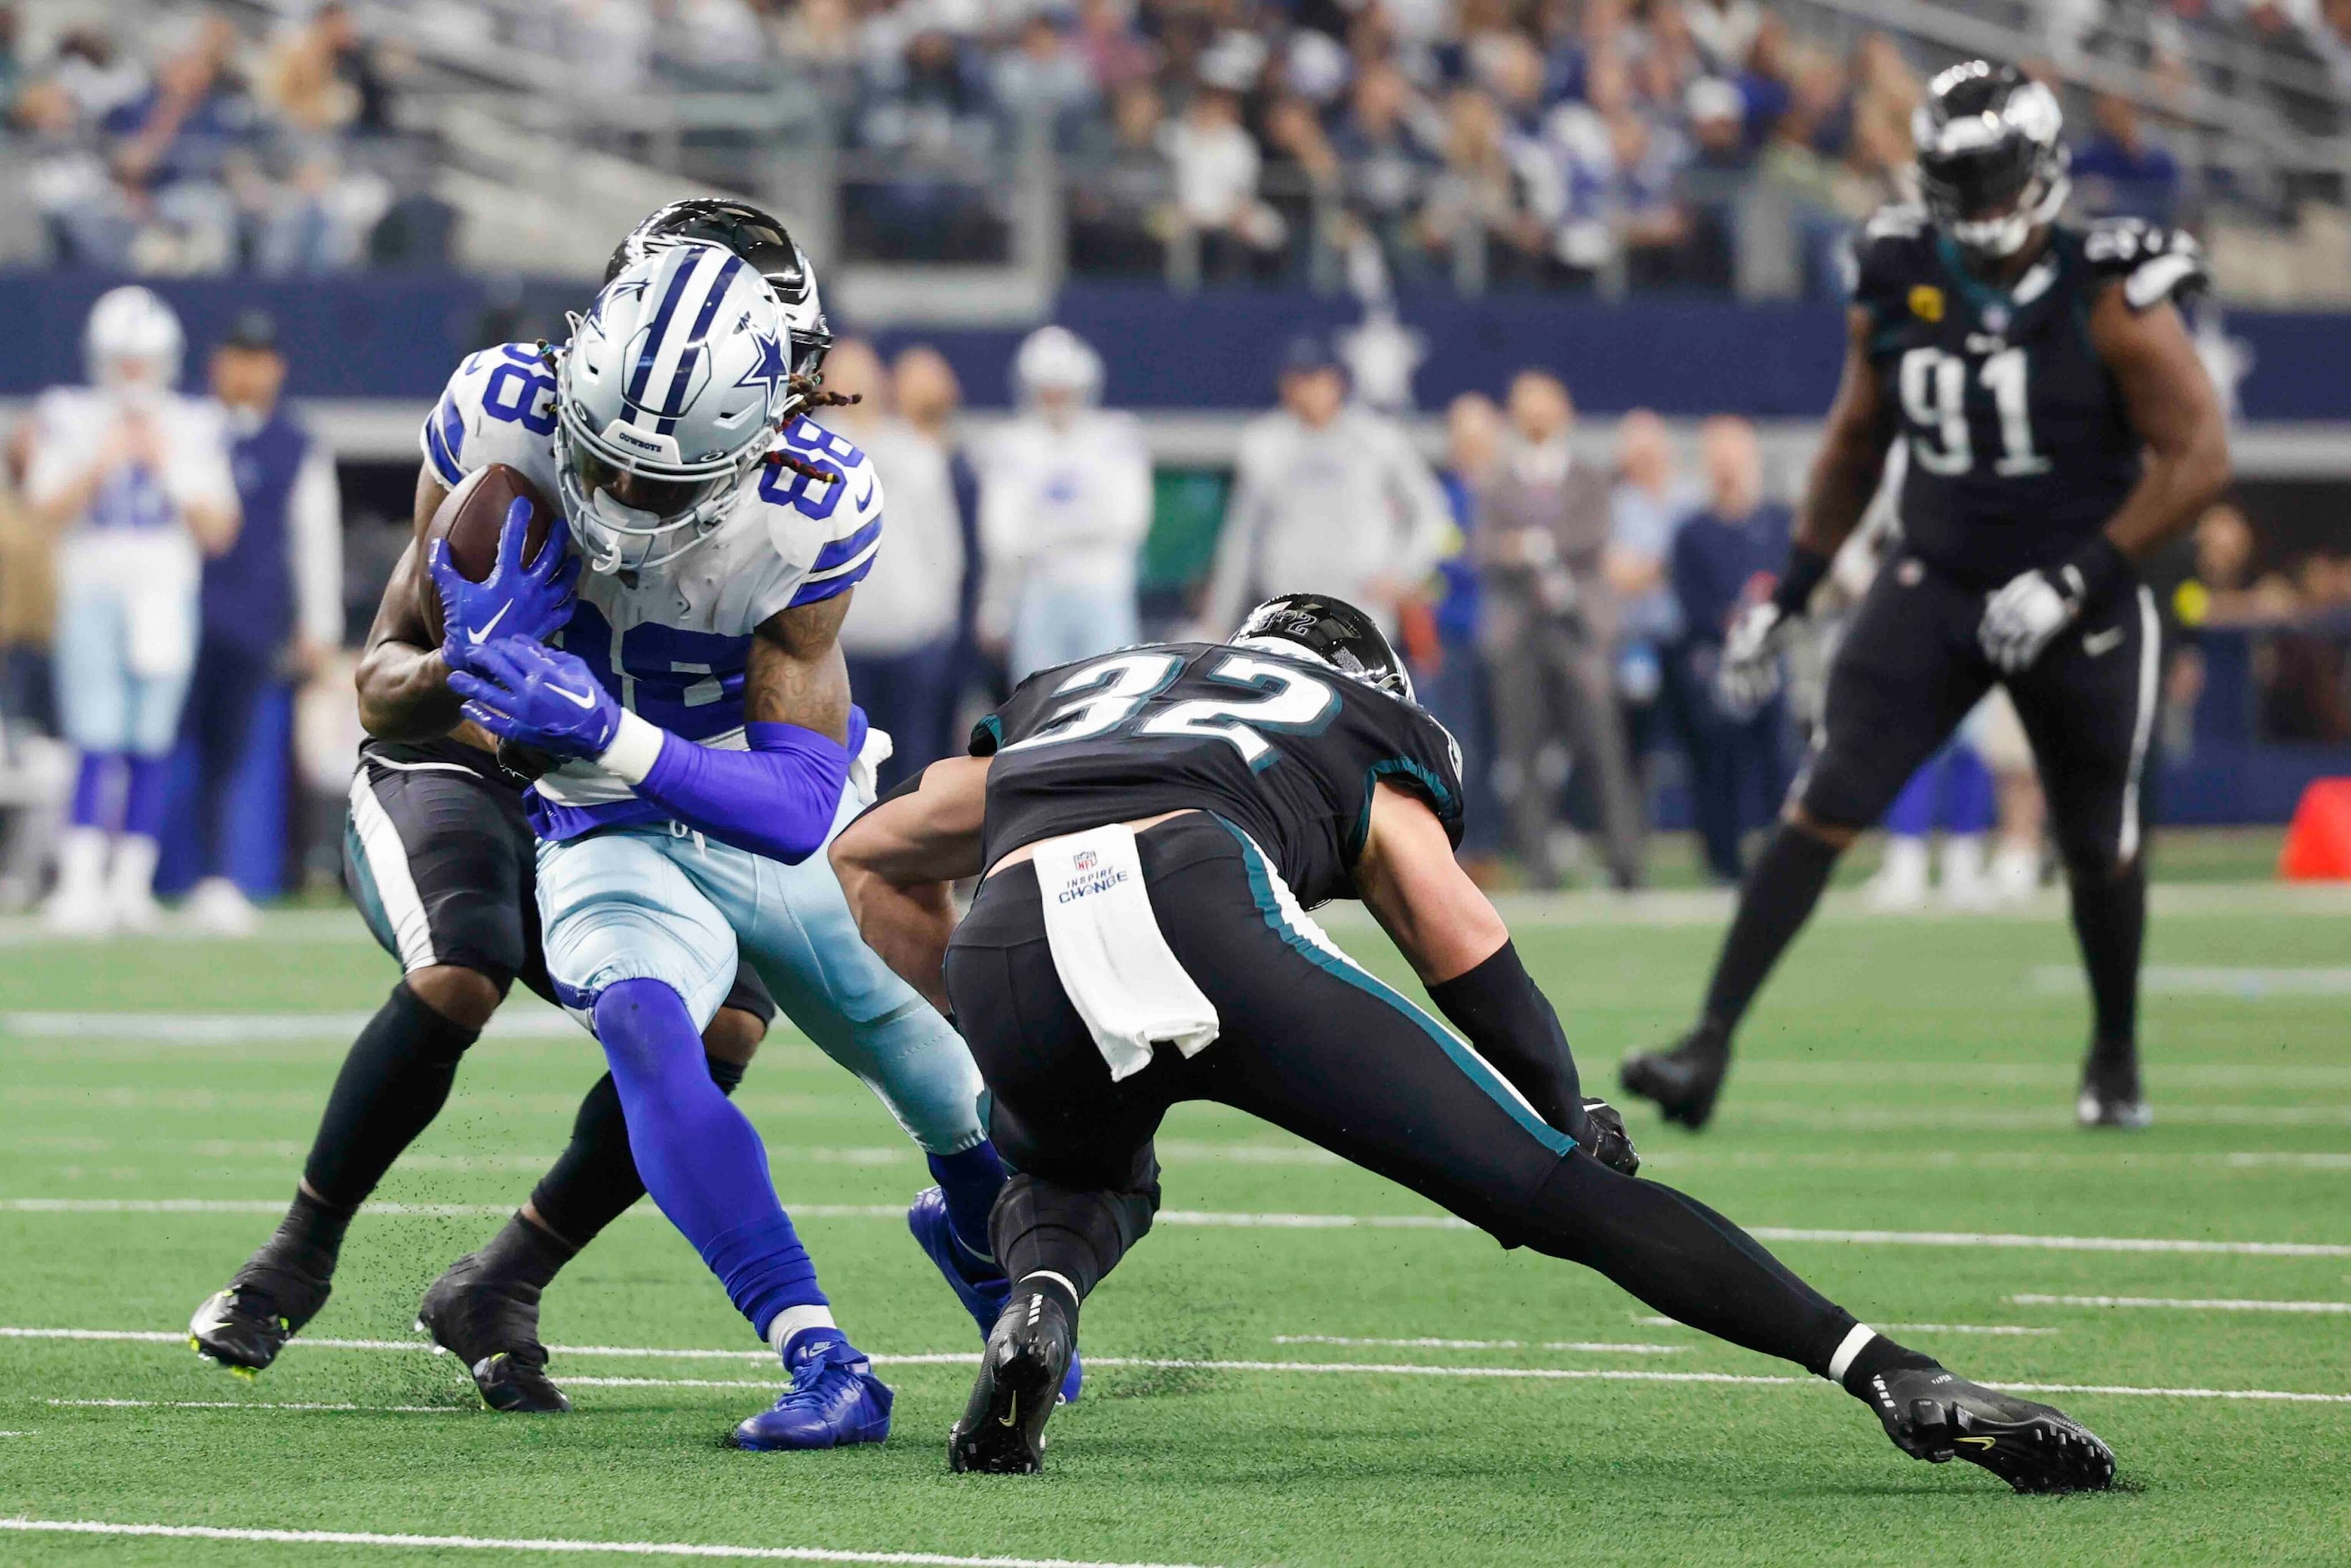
x: 704, y: 749
x: 135, y: 478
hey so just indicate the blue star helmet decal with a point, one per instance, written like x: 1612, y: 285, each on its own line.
x: 772, y: 370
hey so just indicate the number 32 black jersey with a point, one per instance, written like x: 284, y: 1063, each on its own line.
x: 1285, y: 749
x: 2020, y: 447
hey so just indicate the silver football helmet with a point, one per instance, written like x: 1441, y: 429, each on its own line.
x: 669, y: 395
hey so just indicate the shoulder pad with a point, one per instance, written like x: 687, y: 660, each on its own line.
x: 2154, y: 263
x: 1902, y: 220
x: 834, y: 522
x: 497, y: 407
x: 1886, y: 251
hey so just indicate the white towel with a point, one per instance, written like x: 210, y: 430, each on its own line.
x: 1111, y: 955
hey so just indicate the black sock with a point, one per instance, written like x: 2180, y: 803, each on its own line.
x: 1773, y: 906
x: 392, y: 1084
x: 594, y: 1180
x: 1882, y: 1355
x: 2110, y: 922
x: 525, y: 1254
x: 1682, y: 1258
x: 310, y: 1237
x: 1039, y: 1227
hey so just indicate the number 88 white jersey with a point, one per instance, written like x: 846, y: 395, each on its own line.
x: 671, y: 642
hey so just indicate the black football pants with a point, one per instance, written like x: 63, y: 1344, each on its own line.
x: 1909, y: 669
x: 1315, y: 1045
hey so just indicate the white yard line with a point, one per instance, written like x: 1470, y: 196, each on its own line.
x: 1593, y: 1346
x: 2002, y: 1329
x: 2244, y: 984
x: 543, y: 1546
x: 1220, y: 1220
x: 257, y: 1405
x: 1508, y: 1374
x: 1183, y: 1364
x: 2185, y: 1304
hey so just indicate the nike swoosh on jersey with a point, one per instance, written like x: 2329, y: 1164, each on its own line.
x: 2100, y: 642
x: 866, y: 499
x: 574, y: 699
x: 482, y: 636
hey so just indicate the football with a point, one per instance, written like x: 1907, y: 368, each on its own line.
x: 470, y: 518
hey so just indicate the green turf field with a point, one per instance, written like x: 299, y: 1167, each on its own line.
x: 1272, y: 1384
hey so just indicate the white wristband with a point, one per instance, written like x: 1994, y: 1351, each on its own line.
x: 636, y: 747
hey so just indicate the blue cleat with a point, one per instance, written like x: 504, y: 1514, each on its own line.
x: 978, y: 1283
x: 834, y: 1400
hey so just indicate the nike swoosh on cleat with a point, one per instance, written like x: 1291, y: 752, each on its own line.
x: 482, y: 636
x: 1987, y: 1442
x: 1011, y: 1413
x: 574, y: 699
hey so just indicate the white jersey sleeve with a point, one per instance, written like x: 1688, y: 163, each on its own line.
x: 196, y: 443
x: 826, y: 534
x: 498, y: 407
x: 65, y: 442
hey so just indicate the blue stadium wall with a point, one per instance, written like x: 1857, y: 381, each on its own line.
x: 384, y: 336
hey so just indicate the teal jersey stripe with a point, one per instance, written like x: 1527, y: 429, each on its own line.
x: 1260, y: 875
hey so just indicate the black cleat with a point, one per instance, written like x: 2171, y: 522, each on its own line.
x: 1684, y: 1081
x: 1612, y: 1146
x: 492, y: 1325
x: 244, y: 1325
x: 1003, y: 1429
x: 2111, y: 1096
x: 1934, y: 1416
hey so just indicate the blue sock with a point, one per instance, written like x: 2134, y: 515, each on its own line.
x: 1912, y: 815
x: 1970, y: 803
x: 701, y: 1158
x: 89, y: 802
x: 970, y: 1181
x: 148, y: 792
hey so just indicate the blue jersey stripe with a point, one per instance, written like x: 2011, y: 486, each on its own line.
x: 643, y: 370
x: 842, y: 550
x: 693, y: 349
x: 818, y: 589
x: 444, y: 461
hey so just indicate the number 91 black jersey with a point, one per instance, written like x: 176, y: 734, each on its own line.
x: 2020, y: 446
x: 1286, y: 748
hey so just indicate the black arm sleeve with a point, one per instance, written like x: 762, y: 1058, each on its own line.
x: 1513, y: 1026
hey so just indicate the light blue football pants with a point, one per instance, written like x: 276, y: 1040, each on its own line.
x: 656, y: 902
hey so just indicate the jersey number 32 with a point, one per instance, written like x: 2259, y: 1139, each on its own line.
x: 1107, y: 695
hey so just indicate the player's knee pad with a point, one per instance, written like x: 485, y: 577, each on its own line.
x: 1077, y: 1233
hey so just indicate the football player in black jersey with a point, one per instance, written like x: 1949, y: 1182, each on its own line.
x: 1220, y: 788
x: 441, y: 860
x: 2060, y: 429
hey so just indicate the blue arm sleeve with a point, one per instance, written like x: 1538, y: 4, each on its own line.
x: 776, y: 799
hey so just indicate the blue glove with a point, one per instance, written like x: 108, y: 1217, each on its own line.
x: 526, y: 692
x: 515, y: 600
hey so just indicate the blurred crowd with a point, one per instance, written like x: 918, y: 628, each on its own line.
x: 1554, y: 143
x: 198, y: 148
x: 1557, y: 141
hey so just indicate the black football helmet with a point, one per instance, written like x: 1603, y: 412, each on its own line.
x: 759, y: 238
x: 1334, y: 632
x: 1991, y: 166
